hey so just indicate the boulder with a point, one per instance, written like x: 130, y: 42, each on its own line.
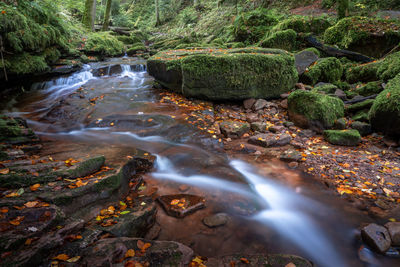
x: 216, y: 220
x: 181, y: 205
x: 248, y: 103
x: 394, y: 231
x: 340, y: 124
x: 291, y: 155
x: 377, y: 237
x: 234, y: 74
x: 362, y: 127
x: 342, y: 137
x: 304, y: 59
x: 313, y: 110
x: 385, y: 111
x: 234, y: 129
x: 327, y: 70
x: 286, y: 39
x: 260, y: 104
x: 364, y: 105
x: 259, y: 127
x: 371, y: 88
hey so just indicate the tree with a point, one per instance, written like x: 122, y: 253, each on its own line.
x: 106, y: 22
x: 89, y: 14
x: 342, y: 8
x: 157, y: 9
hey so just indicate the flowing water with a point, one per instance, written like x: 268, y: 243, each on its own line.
x: 110, y: 108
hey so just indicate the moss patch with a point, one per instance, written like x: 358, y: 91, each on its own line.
x: 103, y: 43
x: 282, y: 39
x: 370, y: 88
x: 342, y: 137
x: 328, y: 70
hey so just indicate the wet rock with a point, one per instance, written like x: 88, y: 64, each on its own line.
x: 303, y: 60
x: 252, y: 117
x: 340, y: 124
x: 248, y: 103
x: 15, y: 131
x: 362, y: 127
x: 291, y: 155
x: 183, y: 188
x: 260, y: 104
x: 86, y: 167
x: 307, y: 133
x: 270, y: 140
x: 340, y: 94
x: 216, y: 220
x: 284, y: 103
x: 276, y: 129
x: 300, y: 86
x: 394, y: 231
x: 259, y: 127
x: 181, y: 205
x: 135, y: 223
x: 342, y: 137
x: 293, y: 165
x: 377, y: 237
x: 160, y: 253
x: 234, y: 129
x: 288, y: 124
x: 154, y: 232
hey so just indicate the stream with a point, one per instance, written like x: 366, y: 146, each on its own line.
x: 111, y: 108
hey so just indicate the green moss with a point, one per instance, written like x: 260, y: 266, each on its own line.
x: 389, y: 67
x: 370, y: 88
x: 282, y: 39
x: 360, y: 106
x: 342, y: 85
x: 385, y: 112
x: 361, y: 115
x: 304, y: 24
x: 362, y: 73
x: 343, y: 8
x: 87, y: 167
x: 135, y: 49
x: 314, y: 50
x: 110, y: 183
x: 325, y: 70
x: 103, y: 43
x: 342, y: 137
x: 251, y: 26
x: 310, y: 109
x: 26, y: 63
x: 51, y: 55
x: 327, y: 88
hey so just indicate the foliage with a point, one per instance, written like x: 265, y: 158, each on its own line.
x: 104, y: 43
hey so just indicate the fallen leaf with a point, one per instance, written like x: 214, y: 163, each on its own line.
x: 140, y: 244
x: 17, y: 221
x: 290, y: 264
x: 61, y: 257
x: 31, y: 204
x: 4, y: 210
x: 34, y: 187
x: 130, y: 253
x: 4, y: 171
x: 244, y: 260
x: 74, y: 259
x: 28, y: 241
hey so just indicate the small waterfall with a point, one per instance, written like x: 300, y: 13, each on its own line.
x: 132, y: 71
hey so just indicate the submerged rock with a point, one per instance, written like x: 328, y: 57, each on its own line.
x: 377, y: 237
x: 216, y: 220
x: 181, y: 205
x: 234, y: 74
x: 342, y: 137
x: 270, y: 140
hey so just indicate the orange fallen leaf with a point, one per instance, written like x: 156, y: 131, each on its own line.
x: 145, y: 246
x: 4, y: 171
x: 130, y: 253
x: 140, y: 244
x: 36, y: 174
x: 244, y: 260
x: 28, y: 241
x: 4, y: 210
x: 17, y: 221
x: 61, y: 257
x: 34, y: 187
x: 31, y: 204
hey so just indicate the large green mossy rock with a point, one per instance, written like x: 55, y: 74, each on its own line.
x: 342, y: 137
x: 369, y: 36
x: 314, y: 110
x: 385, y: 112
x: 282, y: 39
x: 327, y: 70
x: 304, y: 24
x: 225, y: 74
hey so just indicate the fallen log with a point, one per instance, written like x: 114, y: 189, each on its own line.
x: 335, y: 52
x: 119, y: 30
x: 360, y: 99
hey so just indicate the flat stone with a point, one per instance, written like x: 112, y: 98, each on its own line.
x: 270, y: 140
x: 252, y: 118
x: 248, y: 103
x: 339, y: 93
x: 259, y: 127
x: 288, y: 124
x: 216, y: 220
x: 394, y: 231
x: 276, y: 129
x: 362, y: 127
x: 273, y: 260
x: 181, y: 205
x: 260, y: 104
x: 377, y: 237
x: 284, y: 103
x: 234, y: 129
x: 291, y: 155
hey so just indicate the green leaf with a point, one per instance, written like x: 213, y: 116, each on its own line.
x: 125, y: 212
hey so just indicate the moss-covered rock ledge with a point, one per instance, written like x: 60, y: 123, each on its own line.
x: 225, y: 74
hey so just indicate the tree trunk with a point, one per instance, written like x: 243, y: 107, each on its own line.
x: 157, y: 7
x: 106, y: 22
x: 88, y: 18
x: 343, y: 8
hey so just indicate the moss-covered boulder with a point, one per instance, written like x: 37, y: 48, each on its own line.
x: 313, y: 110
x: 328, y: 70
x: 369, y: 36
x: 135, y: 48
x: 103, y: 43
x: 385, y: 112
x: 304, y: 24
x: 342, y: 137
x: 282, y: 39
x: 370, y: 88
x: 364, y: 105
x: 221, y: 74
x: 253, y: 25
x: 362, y: 73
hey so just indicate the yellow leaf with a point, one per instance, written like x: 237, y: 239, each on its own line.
x: 31, y: 204
x: 34, y: 187
x: 74, y: 259
x: 4, y: 171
